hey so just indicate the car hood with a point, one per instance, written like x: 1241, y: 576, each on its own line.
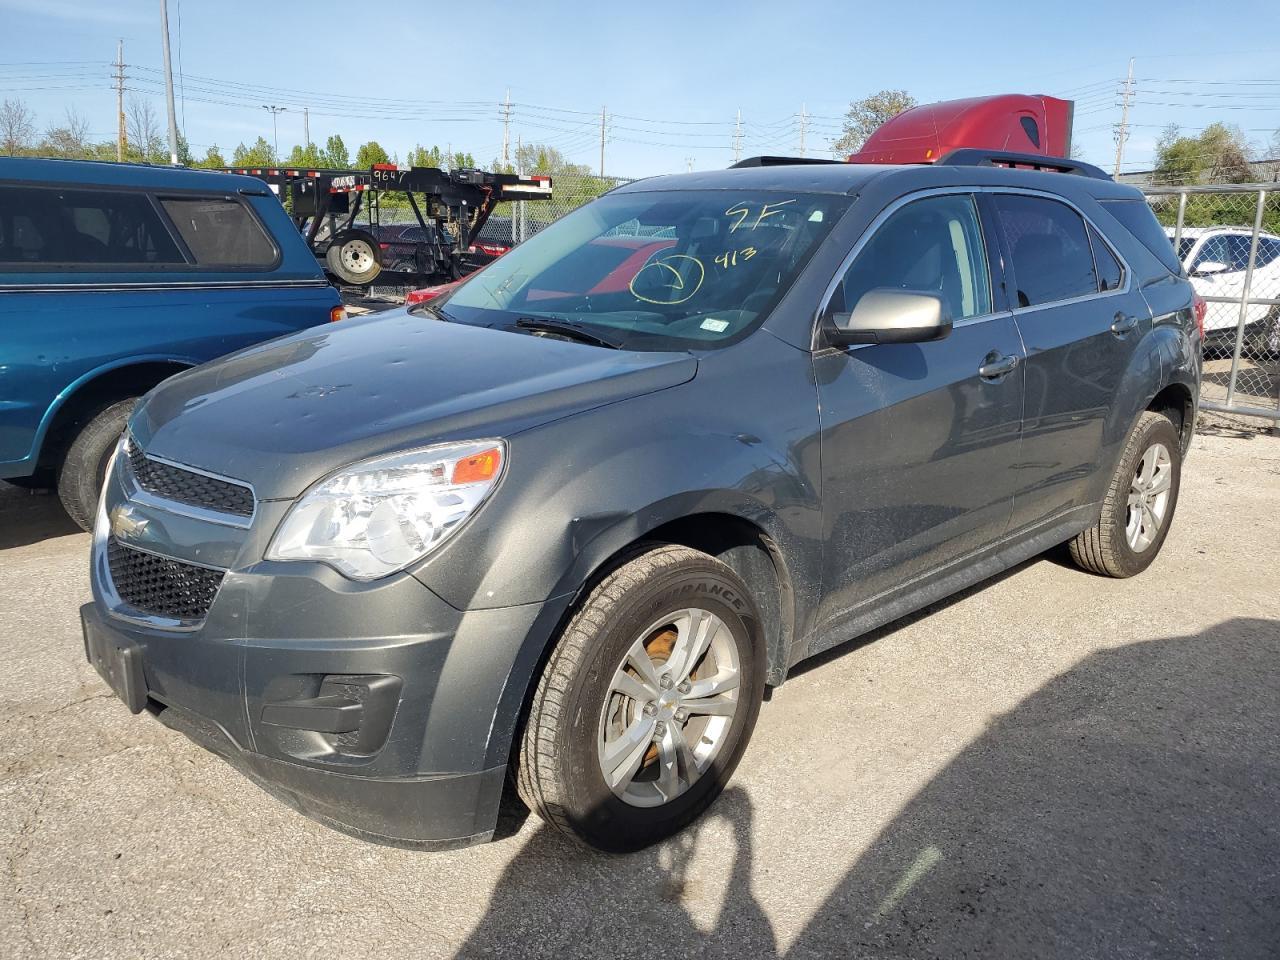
x: 284, y: 414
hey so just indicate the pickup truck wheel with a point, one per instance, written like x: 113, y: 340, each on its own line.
x: 354, y: 258
x: 1140, y: 501
x: 85, y: 466
x: 647, y: 702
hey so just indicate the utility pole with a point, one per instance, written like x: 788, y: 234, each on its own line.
x: 122, y: 137
x: 602, y: 135
x: 275, y: 132
x: 506, y: 132
x: 688, y: 164
x: 804, y: 126
x: 168, y: 85
x: 737, y: 137
x: 1122, y: 131
x: 306, y: 128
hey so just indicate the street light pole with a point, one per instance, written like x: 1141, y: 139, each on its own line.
x: 275, y: 133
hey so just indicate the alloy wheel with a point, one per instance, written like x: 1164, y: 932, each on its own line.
x: 1149, y: 497
x: 669, y: 708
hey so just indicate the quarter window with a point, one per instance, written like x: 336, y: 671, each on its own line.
x: 44, y: 228
x: 1110, y: 273
x: 1052, y: 259
x: 220, y: 232
x: 933, y: 245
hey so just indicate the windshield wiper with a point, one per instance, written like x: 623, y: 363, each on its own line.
x: 569, y: 330
x: 435, y: 310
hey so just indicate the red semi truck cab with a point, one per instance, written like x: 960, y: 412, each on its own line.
x: 1013, y: 122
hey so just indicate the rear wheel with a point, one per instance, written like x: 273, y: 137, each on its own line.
x: 1140, y: 501
x: 85, y: 466
x: 647, y: 702
x: 353, y: 258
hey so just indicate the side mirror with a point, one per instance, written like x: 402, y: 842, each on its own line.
x: 1210, y: 268
x: 890, y: 315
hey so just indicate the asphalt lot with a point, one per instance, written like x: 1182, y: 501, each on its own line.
x: 1052, y: 765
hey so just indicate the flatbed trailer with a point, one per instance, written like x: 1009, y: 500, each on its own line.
x: 450, y: 206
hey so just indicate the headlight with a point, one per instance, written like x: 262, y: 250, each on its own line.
x: 373, y: 518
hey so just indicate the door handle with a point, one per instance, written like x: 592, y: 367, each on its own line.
x: 1122, y: 325
x: 997, y: 365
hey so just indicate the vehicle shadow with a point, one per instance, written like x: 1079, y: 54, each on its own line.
x: 1128, y: 808
x: 30, y: 516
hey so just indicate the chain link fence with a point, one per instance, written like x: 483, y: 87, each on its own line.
x: 1228, y: 239
x: 514, y: 222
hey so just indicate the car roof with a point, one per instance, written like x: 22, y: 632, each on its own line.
x: 1196, y: 232
x: 101, y: 173
x: 851, y: 178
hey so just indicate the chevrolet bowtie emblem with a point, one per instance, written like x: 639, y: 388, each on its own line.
x: 125, y: 524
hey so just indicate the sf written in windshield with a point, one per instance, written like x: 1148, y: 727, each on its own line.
x: 659, y: 270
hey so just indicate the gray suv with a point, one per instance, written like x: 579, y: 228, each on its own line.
x: 563, y: 527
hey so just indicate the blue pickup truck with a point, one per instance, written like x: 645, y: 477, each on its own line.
x: 116, y: 276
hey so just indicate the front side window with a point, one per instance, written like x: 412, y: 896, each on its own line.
x: 220, y: 232
x: 933, y: 245
x: 1052, y: 259
x: 661, y: 270
x: 44, y: 228
x: 1214, y: 250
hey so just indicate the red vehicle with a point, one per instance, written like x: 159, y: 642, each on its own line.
x: 1016, y: 122
x: 618, y: 259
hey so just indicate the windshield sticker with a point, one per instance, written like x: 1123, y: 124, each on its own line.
x: 669, y: 280
x: 714, y: 325
x: 743, y: 213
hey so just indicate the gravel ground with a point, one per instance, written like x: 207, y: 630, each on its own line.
x: 1052, y: 765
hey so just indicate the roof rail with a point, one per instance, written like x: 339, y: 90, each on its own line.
x: 977, y: 157
x: 779, y: 162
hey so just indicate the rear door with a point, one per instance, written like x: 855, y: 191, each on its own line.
x: 918, y: 445
x: 1080, y: 317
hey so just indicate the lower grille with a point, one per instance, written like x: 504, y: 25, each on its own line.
x: 160, y: 586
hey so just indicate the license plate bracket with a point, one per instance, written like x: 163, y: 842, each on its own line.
x: 119, y: 662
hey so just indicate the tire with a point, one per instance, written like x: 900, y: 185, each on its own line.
x: 650, y: 604
x: 1122, y: 543
x: 354, y: 258
x: 85, y: 466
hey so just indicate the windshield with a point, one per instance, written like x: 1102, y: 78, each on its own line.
x: 1184, y: 247
x: 654, y: 271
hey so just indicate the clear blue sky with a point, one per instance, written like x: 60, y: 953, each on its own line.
x: 672, y: 75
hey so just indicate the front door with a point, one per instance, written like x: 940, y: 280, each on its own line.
x: 918, y: 440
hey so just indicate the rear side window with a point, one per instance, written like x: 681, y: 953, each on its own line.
x: 1052, y: 259
x: 1110, y: 273
x: 1268, y: 252
x: 51, y: 228
x: 932, y: 245
x: 220, y: 232
x: 1137, y: 218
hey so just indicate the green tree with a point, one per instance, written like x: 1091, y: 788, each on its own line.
x: 308, y: 156
x: 865, y: 116
x: 259, y: 155
x: 420, y: 156
x: 369, y: 154
x: 212, y: 159
x: 335, y: 154
x: 1220, y: 154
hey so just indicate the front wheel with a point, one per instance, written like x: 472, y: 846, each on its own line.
x: 1140, y: 501
x: 85, y: 466
x: 647, y: 702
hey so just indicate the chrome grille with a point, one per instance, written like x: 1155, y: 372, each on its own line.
x: 159, y: 586
x: 186, y: 486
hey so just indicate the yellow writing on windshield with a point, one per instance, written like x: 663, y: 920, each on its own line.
x: 668, y: 280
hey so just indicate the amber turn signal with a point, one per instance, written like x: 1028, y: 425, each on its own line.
x: 478, y: 468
